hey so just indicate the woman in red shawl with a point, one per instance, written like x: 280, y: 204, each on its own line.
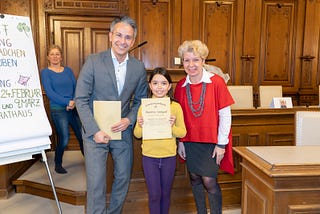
x: 205, y: 100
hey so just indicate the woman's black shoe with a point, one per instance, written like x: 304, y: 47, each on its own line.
x: 60, y: 170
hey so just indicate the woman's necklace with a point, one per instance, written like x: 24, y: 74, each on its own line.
x: 197, y: 112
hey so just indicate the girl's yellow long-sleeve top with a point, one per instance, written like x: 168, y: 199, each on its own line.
x: 161, y: 148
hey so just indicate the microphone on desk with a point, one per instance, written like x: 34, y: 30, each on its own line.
x: 138, y: 46
x: 210, y: 60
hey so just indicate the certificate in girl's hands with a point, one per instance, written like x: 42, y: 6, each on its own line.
x: 156, y: 118
x: 106, y: 114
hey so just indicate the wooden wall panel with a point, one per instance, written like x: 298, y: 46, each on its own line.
x: 245, y: 39
x: 176, y: 28
x: 272, y: 41
x: 190, y: 27
x: 99, y: 40
x: 277, y: 46
x: 250, y: 39
x: 261, y: 129
x: 310, y: 56
x: 218, y: 27
x: 155, y: 27
x: 253, y: 199
x: 280, y: 138
x: 17, y: 7
x: 73, y: 49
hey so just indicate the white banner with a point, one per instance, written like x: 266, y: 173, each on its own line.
x: 22, y: 113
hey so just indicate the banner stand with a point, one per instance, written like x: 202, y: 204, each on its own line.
x: 25, y: 128
x: 45, y: 161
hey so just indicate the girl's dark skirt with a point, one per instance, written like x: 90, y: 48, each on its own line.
x: 199, y: 159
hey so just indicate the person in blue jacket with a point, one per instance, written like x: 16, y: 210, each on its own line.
x: 59, y: 84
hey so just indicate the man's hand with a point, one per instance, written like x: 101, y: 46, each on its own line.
x: 101, y: 137
x: 121, y: 126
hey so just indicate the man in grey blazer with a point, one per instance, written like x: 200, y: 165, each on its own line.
x: 112, y: 75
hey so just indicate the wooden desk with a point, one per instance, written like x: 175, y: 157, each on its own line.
x: 280, y: 179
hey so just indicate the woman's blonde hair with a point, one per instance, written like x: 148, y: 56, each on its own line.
x: 194, y: 46
x: 54, y: 47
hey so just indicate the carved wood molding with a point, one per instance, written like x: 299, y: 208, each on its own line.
x: 154, y: 2
x: 15, y: 7
x: 303, y: 208
x: 119, y: 6
x: 48, y: 4
x: 11, y: 3
x: 219, y: 6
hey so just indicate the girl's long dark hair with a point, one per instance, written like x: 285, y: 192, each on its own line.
x: 162, y: 71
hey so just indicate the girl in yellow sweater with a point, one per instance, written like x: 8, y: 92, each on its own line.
x: 159, y: 156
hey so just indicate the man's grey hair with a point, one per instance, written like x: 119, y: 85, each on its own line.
x: 127, y: 20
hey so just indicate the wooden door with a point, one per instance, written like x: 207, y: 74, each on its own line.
x: 79, y: 37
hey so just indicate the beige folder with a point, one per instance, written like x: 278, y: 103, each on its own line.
x: 106, y: 114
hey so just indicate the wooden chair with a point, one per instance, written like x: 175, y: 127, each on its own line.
x: 307, y: 125
x: 267, y: 92
x: 242, y: 95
